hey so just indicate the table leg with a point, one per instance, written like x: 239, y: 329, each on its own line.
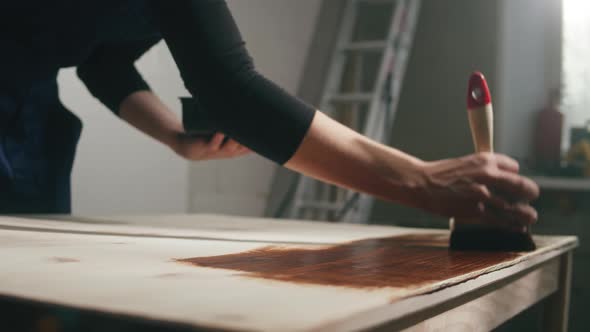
x: 557, y: 305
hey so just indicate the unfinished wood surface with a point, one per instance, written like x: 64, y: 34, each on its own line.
x: 212, y: 227
x: 493, y: 309
x: 143, y: 271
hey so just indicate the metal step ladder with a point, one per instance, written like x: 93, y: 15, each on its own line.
x: 362, y: 92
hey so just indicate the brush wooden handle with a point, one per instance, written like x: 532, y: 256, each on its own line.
x: 480, y: 113
x: 481, y: 122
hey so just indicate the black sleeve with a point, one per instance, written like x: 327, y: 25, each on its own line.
x: 110, y: 74
x: 218, y: 71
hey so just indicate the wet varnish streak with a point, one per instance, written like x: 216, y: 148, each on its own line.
x: 400, y: 261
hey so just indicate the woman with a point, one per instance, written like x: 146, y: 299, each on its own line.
x: 104, y: 38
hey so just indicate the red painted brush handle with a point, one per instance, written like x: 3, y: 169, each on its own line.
x: 480, y: 113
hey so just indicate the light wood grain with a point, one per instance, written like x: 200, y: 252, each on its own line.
x: 129, y: 269
x: 491, y: 310
x: 211, y: 227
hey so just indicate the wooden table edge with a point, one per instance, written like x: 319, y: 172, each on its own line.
x: 405, y: 313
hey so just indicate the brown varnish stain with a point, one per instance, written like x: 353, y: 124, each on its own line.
x: 400, y: 261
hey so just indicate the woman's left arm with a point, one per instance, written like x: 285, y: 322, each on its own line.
x: 146, y: 112
x: 110, y: 75
x: 218, y: 71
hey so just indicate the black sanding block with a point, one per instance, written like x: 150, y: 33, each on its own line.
x: 195, y: 120
x: 481, y: 238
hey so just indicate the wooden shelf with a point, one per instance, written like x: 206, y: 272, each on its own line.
x: 562, y: 183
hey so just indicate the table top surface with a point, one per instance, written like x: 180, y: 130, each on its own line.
x: 241, y: 273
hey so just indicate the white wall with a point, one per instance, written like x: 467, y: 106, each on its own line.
x: 278, y: 34
x: 529, y: 66
x: 119, y: 170
x: 576, y: 67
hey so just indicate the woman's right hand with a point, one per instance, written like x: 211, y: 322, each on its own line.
x: 485, y: 188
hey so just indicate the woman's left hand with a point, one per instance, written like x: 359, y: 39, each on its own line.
x: 198, y: 148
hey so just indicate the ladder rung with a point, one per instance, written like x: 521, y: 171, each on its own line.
x: 368, y: 46
x: 377, y: 1
x: 352, y: 98
x: 320, y: 205
x: 394, y: 52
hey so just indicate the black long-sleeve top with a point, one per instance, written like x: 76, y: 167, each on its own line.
x: 104, y: 39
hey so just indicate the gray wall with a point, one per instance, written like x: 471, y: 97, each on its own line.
x: 529, y: 66
x: 310, y: 89
x: 452, y: 40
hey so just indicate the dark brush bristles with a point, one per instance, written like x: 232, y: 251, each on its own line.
x: 490, y: 239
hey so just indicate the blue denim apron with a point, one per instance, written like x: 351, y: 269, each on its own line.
x: 38, y: 139
x: 38, y: 135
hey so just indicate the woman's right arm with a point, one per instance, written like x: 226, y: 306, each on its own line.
x: 460, y: 187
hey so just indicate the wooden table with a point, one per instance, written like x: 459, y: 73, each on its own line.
x: 232, y: 273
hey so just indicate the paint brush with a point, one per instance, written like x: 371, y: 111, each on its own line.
x: 466, y: 234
